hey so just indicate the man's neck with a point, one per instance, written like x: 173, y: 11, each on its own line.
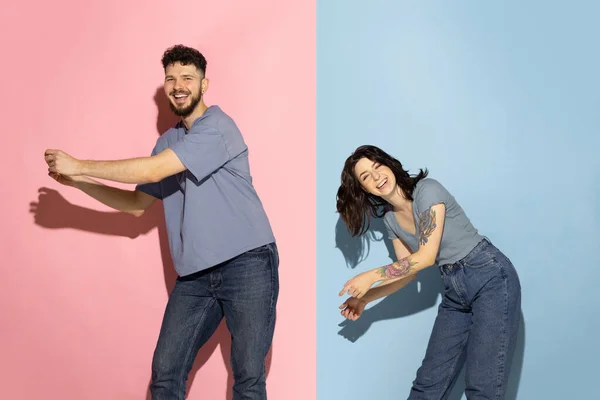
x: 198, y: 112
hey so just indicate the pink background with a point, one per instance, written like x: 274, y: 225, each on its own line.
x: 84, y: 288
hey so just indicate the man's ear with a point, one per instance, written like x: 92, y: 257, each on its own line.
x: 204, y: 85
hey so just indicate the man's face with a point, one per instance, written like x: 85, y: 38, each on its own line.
x: 183, y: 87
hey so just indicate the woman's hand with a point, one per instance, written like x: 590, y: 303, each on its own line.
x: 360, y: 284
x: 353, y: 308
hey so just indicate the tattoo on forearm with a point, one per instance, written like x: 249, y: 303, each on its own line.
x: 426, y: 225
x: 398, y: 269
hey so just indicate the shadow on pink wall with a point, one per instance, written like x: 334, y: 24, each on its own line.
x: 53, y: 211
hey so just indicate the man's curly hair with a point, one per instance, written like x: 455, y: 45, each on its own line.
x: 185, y: 56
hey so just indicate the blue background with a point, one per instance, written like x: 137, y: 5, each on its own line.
x: 500, y: 101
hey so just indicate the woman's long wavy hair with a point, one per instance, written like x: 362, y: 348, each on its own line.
x: 354, y: 204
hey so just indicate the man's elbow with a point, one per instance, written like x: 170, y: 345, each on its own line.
x: 152, y: 176
x: 160, y: 172
x: 137, y: 213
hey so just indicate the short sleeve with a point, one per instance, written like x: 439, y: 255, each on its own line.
x: 388, y: 226
x: 430, y: 193
x: 202, y: 151
x: 153, y: 189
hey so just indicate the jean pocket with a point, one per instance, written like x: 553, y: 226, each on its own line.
x: 483, y: 260
x: 259, y: 250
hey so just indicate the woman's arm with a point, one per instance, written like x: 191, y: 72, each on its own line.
x: 390, y: 286
x: 401, y: 251
x: 431, y: 226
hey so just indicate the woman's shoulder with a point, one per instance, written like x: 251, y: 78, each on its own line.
x: 388, y: 216
x: 426, y: 184
x: 428, y: 192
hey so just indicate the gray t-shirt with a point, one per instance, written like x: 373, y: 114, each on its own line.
x: 459, y: 236
x: 212, y: 210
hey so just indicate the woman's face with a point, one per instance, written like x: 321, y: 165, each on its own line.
x: 375, y: 178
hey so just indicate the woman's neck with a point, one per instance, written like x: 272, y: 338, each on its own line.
x: 398, y: 201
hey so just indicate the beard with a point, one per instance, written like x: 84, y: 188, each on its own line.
x: 184, y: 112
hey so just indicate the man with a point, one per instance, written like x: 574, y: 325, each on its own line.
x: 221, y: 240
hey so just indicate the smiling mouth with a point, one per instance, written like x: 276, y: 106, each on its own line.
x: 180, y: 97
x: 382, y: 184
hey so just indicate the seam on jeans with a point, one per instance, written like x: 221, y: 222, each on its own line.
x: 195, y: 337
x: 502, y: 355
x: 451, y: 376
x: 271, y: 305
x: 458, y: 289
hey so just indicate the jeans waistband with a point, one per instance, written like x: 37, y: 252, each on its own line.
x: 482, y: 245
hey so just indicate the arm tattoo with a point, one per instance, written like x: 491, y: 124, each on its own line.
x: 426, y: 225
x: 398, y: 269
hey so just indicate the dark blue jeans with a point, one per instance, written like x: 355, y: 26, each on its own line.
x: 244, y: 290
x: 477, y: 324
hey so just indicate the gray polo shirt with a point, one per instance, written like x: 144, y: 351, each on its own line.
x: 212, y: 211
x: 459, y: 236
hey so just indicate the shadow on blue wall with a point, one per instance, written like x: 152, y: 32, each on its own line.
x: 417, y: 296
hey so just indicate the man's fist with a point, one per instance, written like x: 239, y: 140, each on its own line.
x: 61, y: 163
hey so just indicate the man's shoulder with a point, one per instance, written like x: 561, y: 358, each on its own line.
x: 167, y: 138
x: 215, y: 113
x: 214, y: 118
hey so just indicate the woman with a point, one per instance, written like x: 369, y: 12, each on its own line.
x: 478, y: 317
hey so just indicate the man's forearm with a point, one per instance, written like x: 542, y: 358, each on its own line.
x: 133, y: 170
x: 386, y: 288
x: 118, y: 199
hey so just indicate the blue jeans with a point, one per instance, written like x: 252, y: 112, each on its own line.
x: 244, y: 290
x: 477, y: 325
